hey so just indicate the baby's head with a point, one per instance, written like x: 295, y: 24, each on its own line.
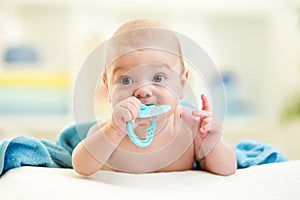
x: 143, y: 52
x: 142, y: 34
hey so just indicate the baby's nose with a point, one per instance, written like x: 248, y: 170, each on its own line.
x: 143, y: 92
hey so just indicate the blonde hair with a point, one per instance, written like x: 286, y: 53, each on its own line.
x: 139, y: 24
x: 142, y: 34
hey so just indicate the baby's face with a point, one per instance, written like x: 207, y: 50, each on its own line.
x: 152, y: 76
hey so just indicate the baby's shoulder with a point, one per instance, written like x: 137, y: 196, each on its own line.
x: 97, y: 126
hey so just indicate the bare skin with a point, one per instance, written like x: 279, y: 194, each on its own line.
x: 152, y: 77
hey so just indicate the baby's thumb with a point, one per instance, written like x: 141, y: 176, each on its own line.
x: 189, y: 119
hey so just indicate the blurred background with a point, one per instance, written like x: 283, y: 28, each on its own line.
x: 254, y: 44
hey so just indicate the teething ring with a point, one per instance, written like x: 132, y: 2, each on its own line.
x: 146, y: 112
x: 135, y: 139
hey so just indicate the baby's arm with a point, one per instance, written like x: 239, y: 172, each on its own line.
x: 221, y: 160
x: 92, y: 153
x: 213, y: 154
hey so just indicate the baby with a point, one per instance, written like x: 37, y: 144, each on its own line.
x: 136, y: 74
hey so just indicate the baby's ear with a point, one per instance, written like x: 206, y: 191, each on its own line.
x: 104, y: 80
x: 184, y: 77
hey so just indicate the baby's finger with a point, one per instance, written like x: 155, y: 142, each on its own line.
x: 123, y: 114
x: 201, y: 113
x: 206, y: 120
x: 205, y: 128
x: 205, y: 103
x: 133, y: 105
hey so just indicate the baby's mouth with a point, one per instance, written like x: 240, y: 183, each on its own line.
x: 150, y: 104
x: 143, y: 123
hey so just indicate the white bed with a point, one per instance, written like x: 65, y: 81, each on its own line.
x: 270, y: 181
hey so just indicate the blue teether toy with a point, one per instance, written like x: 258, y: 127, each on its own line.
x: 146, y: 112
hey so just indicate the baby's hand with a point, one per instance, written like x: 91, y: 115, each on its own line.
x: 124, y: 111
x: 203, y: 125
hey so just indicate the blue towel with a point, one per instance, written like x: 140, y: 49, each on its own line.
x: 28, y: 151
x: 250, y: 153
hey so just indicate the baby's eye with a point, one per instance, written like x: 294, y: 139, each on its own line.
x: 126, y: 80
x: 158, y: 78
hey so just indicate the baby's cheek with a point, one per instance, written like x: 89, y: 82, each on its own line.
x: 174, y: 87
x: 119, y: 95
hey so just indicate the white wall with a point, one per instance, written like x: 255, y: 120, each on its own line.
x: 257, y: 41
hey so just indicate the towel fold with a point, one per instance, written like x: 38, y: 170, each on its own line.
x: 24, y: 150
x: 28, y: 151
x: 250, y: 153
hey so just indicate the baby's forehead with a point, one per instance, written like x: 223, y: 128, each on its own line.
x: 145, y: 58
x: 151, y: 38
x: 142, y: 69
x: 147, y: 55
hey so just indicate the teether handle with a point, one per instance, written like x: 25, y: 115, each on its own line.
x: 152, y: 111
x: 135, y: 139
x: 146, y: 112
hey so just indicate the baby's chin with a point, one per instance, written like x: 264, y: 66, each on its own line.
x: 144, y: 125
x: 145, y: 122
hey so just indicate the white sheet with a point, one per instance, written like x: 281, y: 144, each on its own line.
x: 271, y: 181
